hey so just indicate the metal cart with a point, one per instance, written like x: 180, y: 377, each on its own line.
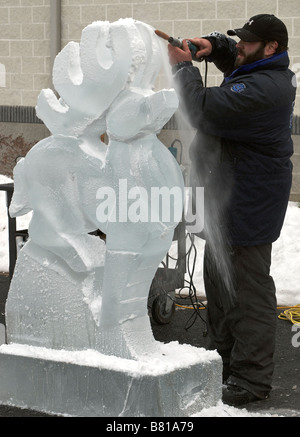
x: 13, y: 233
x: 168, y: 279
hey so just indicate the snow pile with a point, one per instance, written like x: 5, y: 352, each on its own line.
x: 223, y: 410
x: 168, y: 358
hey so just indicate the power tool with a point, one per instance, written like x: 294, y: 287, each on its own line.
x: 177, y: 42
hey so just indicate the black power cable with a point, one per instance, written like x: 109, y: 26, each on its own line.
x: 196, y: 304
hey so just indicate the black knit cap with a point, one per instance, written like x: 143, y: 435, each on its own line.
x: 262, y: 27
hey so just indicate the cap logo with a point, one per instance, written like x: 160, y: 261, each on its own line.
x: 250, y: 22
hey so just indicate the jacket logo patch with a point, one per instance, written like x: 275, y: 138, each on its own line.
x: 238, y: 87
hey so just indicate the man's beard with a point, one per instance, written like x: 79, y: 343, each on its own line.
x: 253, y: 57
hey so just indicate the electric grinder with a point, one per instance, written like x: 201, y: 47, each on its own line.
x: 177, y: 42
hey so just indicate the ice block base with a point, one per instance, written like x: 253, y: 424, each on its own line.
x: 89, y: 384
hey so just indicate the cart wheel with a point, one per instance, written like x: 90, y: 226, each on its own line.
x: 162, y: 310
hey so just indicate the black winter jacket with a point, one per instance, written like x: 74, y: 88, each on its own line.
x: 241, y: 153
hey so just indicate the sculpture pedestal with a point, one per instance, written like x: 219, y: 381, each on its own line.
x: 178, y: 381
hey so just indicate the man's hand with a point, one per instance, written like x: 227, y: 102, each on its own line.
x: 177, y: 55
x: 204, y: 47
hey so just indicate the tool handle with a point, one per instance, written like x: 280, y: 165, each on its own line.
x: 177, y: 42
x: 193, y: 50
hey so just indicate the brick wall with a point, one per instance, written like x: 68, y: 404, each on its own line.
x: 24, y: 50
x: 25, y: 42
x: 25, y: 66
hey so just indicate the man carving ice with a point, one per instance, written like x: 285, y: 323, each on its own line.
x: 241, y: 155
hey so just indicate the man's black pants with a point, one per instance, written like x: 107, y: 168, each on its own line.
x: 242, y: 324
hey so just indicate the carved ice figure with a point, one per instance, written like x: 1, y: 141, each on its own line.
x: 70, y: 289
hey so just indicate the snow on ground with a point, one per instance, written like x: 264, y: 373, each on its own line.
x: 223, y: 410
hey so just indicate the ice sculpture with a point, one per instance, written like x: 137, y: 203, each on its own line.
x: 72, y: 290
x: 79, y: 336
